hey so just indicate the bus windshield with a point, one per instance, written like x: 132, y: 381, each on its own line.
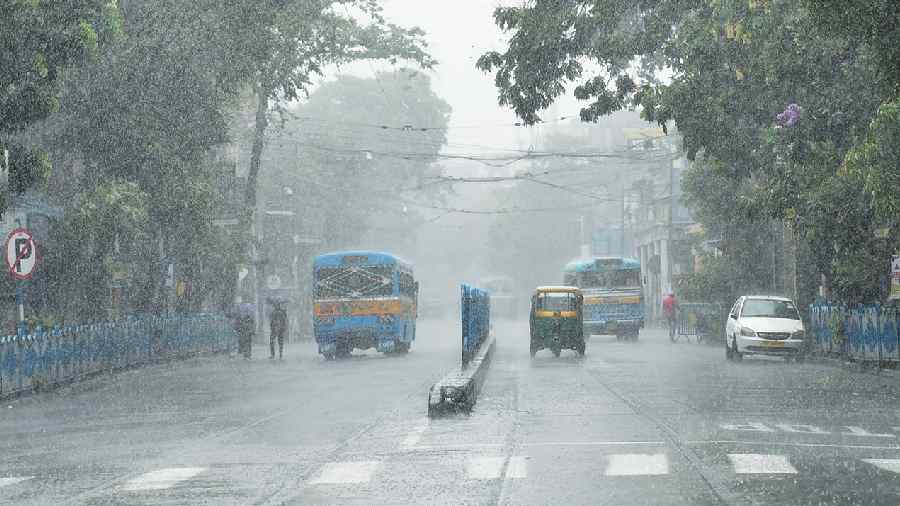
x: 626, y: 278
x: 355, y: 281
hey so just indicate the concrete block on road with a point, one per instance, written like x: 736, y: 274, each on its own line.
x: 458, y: 391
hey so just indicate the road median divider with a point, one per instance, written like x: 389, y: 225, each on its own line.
x: 458, y: 391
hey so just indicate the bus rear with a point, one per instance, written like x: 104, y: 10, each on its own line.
x: 363, y: 300
x: 613, y: 302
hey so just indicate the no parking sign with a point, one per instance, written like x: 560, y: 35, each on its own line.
x: 21, y: 253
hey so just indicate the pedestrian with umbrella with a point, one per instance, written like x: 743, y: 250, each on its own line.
x: 246, y: 325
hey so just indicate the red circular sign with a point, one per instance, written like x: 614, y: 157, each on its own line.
x: 21, y: 253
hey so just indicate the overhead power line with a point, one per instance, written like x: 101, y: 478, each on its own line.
x: 428, y: 128
x: 411, y: 155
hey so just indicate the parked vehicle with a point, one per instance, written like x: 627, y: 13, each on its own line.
x: 764, y: 325
x: 556, y: 320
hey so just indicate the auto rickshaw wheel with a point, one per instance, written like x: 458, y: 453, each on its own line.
x: 534, y: 349
x: 342, y: 349
x: 580, y: 347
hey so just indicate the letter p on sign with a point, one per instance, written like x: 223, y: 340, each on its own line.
x: 21, y: 254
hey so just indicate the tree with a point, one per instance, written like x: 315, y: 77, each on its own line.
x: 736, y: 66
x: 147, y: 112
x: 38, y: 41
x: 104, y: 230
x: 293, y: 41
x: 351, y: 173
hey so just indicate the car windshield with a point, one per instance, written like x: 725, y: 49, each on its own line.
x: 556, y: 301
x: 769, y: 308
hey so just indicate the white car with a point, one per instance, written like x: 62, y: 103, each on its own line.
x: 764, y: 325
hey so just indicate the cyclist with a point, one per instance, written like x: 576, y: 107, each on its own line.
x: 670, y: 312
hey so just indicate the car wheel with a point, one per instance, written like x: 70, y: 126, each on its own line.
x: 556, y: 352
x: 729, y: 356
x: 342, y: 349
x: 738, y: 356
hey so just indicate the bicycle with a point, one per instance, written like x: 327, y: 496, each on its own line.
x: 672, y: 323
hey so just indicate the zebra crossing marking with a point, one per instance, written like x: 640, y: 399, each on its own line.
x: 12, y: 480
x: 335, y: 473
x: 892, y: 465
x: 162, y: 478
x: 758, y: 463
x: 637, y: 464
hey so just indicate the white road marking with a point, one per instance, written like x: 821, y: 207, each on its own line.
x: 596, y: 443
x: 783, y: 443
x: 412, y: 439
x: 756, y: 463
x: 637, y: 464
x: 346, y: 472
x: 466, y: 446
x: 859, y: 431
x: 752, y: 426
x: 801, y: 428
x: 892, y: 465
x: 517, y: 467
x: 12, y: 480
x: 162, y: 478
x: 484, y: 468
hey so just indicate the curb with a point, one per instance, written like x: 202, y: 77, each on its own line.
x: 862, y: 367
x: 458, y: 391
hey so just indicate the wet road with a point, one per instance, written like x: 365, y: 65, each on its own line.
x: 631, y: 423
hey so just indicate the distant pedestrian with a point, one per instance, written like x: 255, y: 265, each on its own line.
x: 277, y: 329
x: 246, y: 326
x: 670, y: 311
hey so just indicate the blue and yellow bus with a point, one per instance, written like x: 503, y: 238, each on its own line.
x: 362, y: 300
x: 613, y: 301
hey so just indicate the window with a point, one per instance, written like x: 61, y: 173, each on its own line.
x: 769, y: 308
x: 407, y: 284
x: 556, y: 301
x: 609, y: 279
x: 355, y: 281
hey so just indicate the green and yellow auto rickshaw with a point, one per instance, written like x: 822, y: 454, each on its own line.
x: 556, y: 319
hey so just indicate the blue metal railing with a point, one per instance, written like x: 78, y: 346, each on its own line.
x: 476, y: 320
x: 51, y: 356
x: 866, y: 332
x: 696, y: 318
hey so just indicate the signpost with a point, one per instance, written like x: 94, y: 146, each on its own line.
x: 21, y: 260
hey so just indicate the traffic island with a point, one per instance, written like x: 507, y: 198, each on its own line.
x: 458, y: 391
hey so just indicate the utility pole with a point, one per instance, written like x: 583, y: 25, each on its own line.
x: 671, y: 217
x: 622, y: 222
